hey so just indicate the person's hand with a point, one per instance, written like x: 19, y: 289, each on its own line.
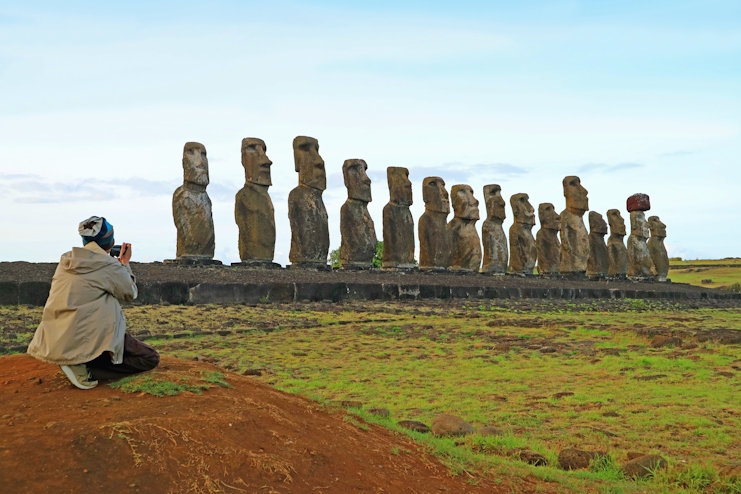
x: 125, y: 253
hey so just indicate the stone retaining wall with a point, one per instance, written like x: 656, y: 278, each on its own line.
x: 35, y: 293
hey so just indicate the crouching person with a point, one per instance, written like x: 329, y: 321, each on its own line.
x: 83, y: 329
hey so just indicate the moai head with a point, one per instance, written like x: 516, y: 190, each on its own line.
x: 522, y: 210
x: 617, y: 223
x: 435, y: 196
x: 400, y: 187
x: 255, y: 162
x: 638, y: 224
x: 356, y: 180
x: 465, y: 206
x: 576, y: 195
x: 195, y: 163
x: 549, y: 218
x: 494, y: 201
x: 308, y: 163
x: 597, y: 223
x: 658, y: 229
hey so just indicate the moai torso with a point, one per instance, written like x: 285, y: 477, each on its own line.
x: 496, y: 253
x: 547, y: 243
x: 434, y: 237
x: 640, y: 264
x: 253, y: 209
x: 398, y: 224
x: 574, y: 236
x: 191, y: 207
x: 306, y: 212
x: 465, y: 242
x: 356, y: 225
x: 616, y: 249
x: 599, y: 259
x: 657, y: 249
x: 522, y: 250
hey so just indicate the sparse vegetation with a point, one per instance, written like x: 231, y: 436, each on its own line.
x: 154, y: 384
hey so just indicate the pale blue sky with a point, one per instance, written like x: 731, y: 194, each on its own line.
x: 98, y: 100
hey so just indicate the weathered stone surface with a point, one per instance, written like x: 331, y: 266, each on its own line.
x: 616, y: 249
x: 380, y: 412
x: 530, y: 457
x: 657, y: 249
x: 465, y: 242
x: 253, y: 208
x: 577, y: 459
x: 191, y: 206
x: 522, y: 250
x: 306, y: 212
x: 398, y: 224
x: 434, y: 236
x: 638, y: 202
x: 661, y: 341
x: 547, y: 243
x: 488, y: 430
x: 450, y: 425
x: 413, y: 425
x: 640, y: 264
x: 644, y: 466
x: 599, y: 259
x: 574, y: 236
x: 496, y: 252
x: 356, y: 225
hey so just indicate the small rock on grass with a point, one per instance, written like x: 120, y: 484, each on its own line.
x: 414, y: 425
x: 660, y: 341
x: 575, y: 459
x: 528, y: 456
x: 563, y: 394
x: 450, y: 425
x: 632, y: 455
x: 644, y: 466
x: 253, y: 372
x: 488, y: 430
x: 381, y: 412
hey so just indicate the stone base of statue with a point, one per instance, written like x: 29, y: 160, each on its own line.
x: 520, y: 274
x: 550, y: 276
x: 496, y: 274
x: 257, y: 264
x: 642, y: 279
x: 401, y: 268
x: 597, y: 277
x: 352, y: 266
x: 617, y: 277
x: 310, y: 266
x: 463, y: 271
x: 574, y: 275
x: 193, y: 261
x: 433, y: 269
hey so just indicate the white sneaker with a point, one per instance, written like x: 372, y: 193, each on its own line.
x: 79, y: 376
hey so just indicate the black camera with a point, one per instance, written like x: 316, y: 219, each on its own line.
x: 116, y: 251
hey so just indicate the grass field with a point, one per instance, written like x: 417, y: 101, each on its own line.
x: 708, y: 273
x: 550, y: 376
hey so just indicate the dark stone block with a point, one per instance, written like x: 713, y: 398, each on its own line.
x: 467, y: 292
x: 491, y: 292
x: 317, y: 292
x: 514, y: 292
x: 33, y: 292
x: 174, y: 292
x: 365, y: 291
x: 390, y: 291
x: 434, y: 291
x: 616, y: 293
x: 149, y: 293
x: 630, y: 294
x: 282, y: 292
x: 567, y: 293
x: 555, y: 293
x: 409, y: 292
x: 8, y: 293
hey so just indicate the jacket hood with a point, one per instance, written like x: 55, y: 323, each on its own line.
x: 83, y: 261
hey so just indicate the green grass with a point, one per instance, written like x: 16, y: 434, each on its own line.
x: 724, y: 277
x: 170, y: 383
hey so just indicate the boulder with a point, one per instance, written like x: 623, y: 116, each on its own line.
x: 380, y: 412
x: 450, y: 425
x: 576, y: 459
x: 414, y: 425
x: 644, y: 466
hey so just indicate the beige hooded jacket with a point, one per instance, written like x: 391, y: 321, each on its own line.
x: 82, y: 317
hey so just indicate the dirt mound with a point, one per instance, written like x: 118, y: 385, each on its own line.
x: 247, y: 438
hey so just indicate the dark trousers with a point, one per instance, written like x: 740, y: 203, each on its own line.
x: 137, y: 357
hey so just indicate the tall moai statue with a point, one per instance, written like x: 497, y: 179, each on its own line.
x: 640, y: 264
x: 599, y: 259
x: 253, y: 209
x: 547, y: 243
x: 522, y: 249
x: 657, y: 248
x: 306, y: 212
x: 398, y: 224
x: 574, y: 236
x: 432, y: 228
x: 191, y: 210
x: 616, y: 245
x: 465, y: 253
x: 496, y: 252
x: 358, y: 233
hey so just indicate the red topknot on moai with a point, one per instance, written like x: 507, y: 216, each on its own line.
x: 639, y: 202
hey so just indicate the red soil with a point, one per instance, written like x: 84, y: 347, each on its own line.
x: 250, y: 438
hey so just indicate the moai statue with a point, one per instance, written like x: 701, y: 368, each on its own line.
x: 496, y: 253
x: 640, y: 264
x: 465, y: 253
x: 599, y: 259
x: 616, y: 246
x: 306, y: 212
x: 191, y: 210
x: 432, y: 228
x: 398, y: 224
x: 356, y: 226
x: 574, y: 236
x: 657, y: 249
x: 253, y: 209
x: 547, y: 243
x: 522, y: 250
